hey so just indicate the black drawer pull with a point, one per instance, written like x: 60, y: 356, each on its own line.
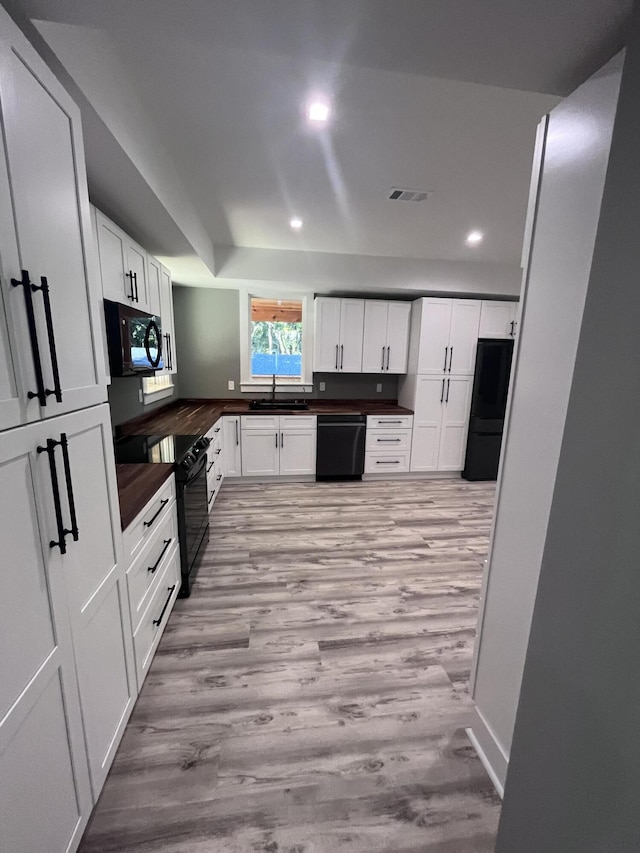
x: 218, y: 451
x: 210, y: 466
x: 166, y: 604
x: 217, y: 429
x: 152, y: 569
x: 387, y: 462
x: 162, y: 506
x: 219, y: 477
x: 387, y: 440
x: 389, y: 422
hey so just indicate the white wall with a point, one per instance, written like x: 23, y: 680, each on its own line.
x: 575, y: 163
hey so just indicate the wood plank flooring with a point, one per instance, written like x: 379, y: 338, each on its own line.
x: 310, y: 696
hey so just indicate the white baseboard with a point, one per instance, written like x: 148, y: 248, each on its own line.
x: 490, y: 752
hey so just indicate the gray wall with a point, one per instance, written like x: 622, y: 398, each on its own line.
x: 573, y: 783
x: 125, y: 403
x: 208, y: 340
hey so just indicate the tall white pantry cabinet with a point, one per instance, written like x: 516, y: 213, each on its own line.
x: 67, y: 681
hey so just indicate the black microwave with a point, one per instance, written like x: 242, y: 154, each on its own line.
x: 134, y: 340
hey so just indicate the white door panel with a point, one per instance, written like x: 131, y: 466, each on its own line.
x: 327, y: 335
x: 434, y: 335
x: 398, y: 320
x: 374, y: 350
x: 298, y: 452
x: 427, y: 420
x: 260, y: 453
x: 455, y: 422
x: 463, y: 336
x: 351, y: 332
x: 497, y: 319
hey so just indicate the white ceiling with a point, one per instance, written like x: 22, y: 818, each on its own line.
x: 441, y: 96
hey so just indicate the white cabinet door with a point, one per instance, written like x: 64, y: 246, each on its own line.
x: 260, y: 452
x: 154, y: 285
x: 351, y: 331
x: 95, y: 582
x: 497, y: 319
x: 427, y: 423
x: 463, y: 336
x: 10, y: 407
x: 374, y: 347
x: 455, y: 422
x: 45, y: 796
x: 168, y: 324
x: 433, y: 353
x: 111, y: 253
x: 45, y: 236
x: 298, y: 451
x: 327, y: 335
x: 398, y: 321
x: 232, y: 446
x: 135, y: 271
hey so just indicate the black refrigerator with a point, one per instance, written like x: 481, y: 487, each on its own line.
x: 488, y: 405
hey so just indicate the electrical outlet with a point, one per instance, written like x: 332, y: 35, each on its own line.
x: 379, y: 387
x: 322, y: 386
x: 231, y: 385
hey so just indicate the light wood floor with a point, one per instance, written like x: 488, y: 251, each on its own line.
x: 310, y: 696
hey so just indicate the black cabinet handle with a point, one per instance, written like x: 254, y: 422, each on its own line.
x: 276, y: 439
x: 152, y: 568
x: 25, y: 283
x: 446, y: 352
x: 169, y: 362
x: 389, y: 422
x: 211, y: 494
x: 450, y: 359
x: 135, y: 281
x: 217, y: 429
x: 237, y: 436
x: 152, y: 327
x: 382, y: 362
x: 448, y: 384
x: 162, y: 506
x: 130, y: 276
x: 387, y: 462
x: 442, y: 392
x: 388, y: 356
x: 50, y: 450
x: 210, y: 466
x: 218, y: 451
x: 341, y: 355
x: 44, y: 287
x: 166, y: 604
x: 388, y: 440
x: 219, y: 477
x: 67, y: 475
x: 336, y: 356
x: 281, y: 440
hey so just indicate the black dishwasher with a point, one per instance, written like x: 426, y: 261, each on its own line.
x: 340, y: 454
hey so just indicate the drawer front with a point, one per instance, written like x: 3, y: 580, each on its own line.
x: 290, y: 422
x: 146, y: 570
x: 143, y: 527
x: 215, y: 477
x: 384, y: 463
x: 153, y: 622
x: 389, y: 421
x: 260, y: 422
x: 215, y: 433
x: 389, y: 440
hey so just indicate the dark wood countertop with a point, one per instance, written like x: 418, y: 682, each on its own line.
x: 194, y: 417
x: 137, y: 484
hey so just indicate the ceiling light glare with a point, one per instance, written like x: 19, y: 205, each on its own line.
x: 474, y: 237
x: 296, y: 223
x: 318, y: 112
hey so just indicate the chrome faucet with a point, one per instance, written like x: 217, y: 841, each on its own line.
x: 273, y: 389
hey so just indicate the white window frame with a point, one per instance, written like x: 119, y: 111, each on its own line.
x: 163, y: 388
x: 283, y: 385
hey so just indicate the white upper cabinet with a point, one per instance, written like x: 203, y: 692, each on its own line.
x: 448, y: 336
x: 123, y: 267
x: 386, y: 336
x: 498, y: 319
x: 338, y: 336
x: 49, y: 364
x: 168, y: 323
x: 154, y: 285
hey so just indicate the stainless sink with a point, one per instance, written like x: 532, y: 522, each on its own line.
x: 270, y: 405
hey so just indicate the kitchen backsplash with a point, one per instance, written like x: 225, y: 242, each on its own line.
x: 125, y: 402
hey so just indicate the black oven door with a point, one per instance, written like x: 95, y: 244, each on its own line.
x: 193, y: 522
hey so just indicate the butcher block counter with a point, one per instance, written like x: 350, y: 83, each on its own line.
x: 196, y: 417
x: 137, y: 484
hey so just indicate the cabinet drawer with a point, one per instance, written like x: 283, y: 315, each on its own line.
x: 214, y: 481
x: 145, y: 524
x: 389, y: 440
x: 389, y: 422
x: 291, y: 422
x: 215, y: 433
x: 383, y: 463
x: 260, y: 422
x: 152, y: 624
x: 145, y: 572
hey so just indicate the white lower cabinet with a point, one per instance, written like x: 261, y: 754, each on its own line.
x: 388, y: 444
x: 441, y: 420
x: 215, y: 461
x: 232, y: 461
x: 66, y: 685
x: 155, y: 617
x: 275, y: 445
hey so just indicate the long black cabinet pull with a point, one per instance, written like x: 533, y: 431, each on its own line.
x: 169, y: 347
x: 341, y: 355
x: 387, y: 462
x: 446, y: 352
x: 281, y: 439
x: 166, y: 604
x: 153, y: 568
x: 130, y: 276
x: 162, y: 506
x: 135, y: 281
x: 276, y: 439
x: 67, y: 475
x: 336, y: 356
x: 448, y: 384
x: 450, y: 359
x: 382, y: 362
x: 442, y: 392
x: 237, y: 436
x: 388, y: 440
x: 50, y: 449
x: 25, y: 283
x: 388, y: 356
x: 44, y: 287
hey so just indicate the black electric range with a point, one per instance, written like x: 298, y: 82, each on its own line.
x: 189, y: 455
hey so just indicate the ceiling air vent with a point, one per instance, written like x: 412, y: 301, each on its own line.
x: 397, y: 194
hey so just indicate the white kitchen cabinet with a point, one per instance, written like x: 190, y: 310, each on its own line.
x: 45, y: 245
x: 441, y: 418
x: 498, y: 319
x: 448, y: 335
x: 154, y: 287
x: 168, y: 322
x: 123, y: 266
x: 215, y: 461
x: 339, y: 328
x: 278, y: 445
x: 386, y: 336
x: 232, y: 454
x: 388, y: 444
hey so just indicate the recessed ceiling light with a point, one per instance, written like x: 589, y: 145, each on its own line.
x: 296, y: 223
x: 474, y: 237
x: 318, y: 111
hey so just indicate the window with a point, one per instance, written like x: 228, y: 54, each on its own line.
x: 157, y: 387
x: 277, y: 341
